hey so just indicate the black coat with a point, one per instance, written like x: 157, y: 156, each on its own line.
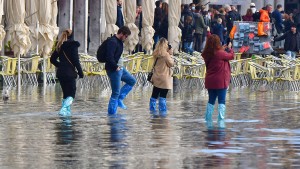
x: 230, y: 18
x: 114, y: 51
x: 187, y: 33
x: 164, y: 27
x: 120, y: 19
x: 157, y: 19
x: 64, y: 68
x: 288, y: 39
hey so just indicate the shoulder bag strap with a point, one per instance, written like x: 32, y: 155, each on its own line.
x: 154, y: 65
x: 68, y: 59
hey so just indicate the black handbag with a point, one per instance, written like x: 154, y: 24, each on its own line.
x: 150, y: 74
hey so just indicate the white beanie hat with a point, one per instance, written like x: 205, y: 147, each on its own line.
x: 252, y: 4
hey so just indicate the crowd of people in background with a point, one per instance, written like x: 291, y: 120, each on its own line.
x: 196, y: 21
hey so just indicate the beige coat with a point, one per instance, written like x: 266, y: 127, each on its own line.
x: 162, y: 75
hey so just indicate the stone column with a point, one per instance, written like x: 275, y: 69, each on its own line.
x: 64, y: 15
x: 80, y: 23
x: 186, y: 1
x: 102, y: 19
x: 279, y: 2
x: 203, y: 2
x: 270, y: 2
x: 94, y: 25
x: 244, y: 6
x: 258, y: 4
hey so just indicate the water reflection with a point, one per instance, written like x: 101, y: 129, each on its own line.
x: 161, y: 136
x: 67, y: 150
x: 216, y: 142
x: 262, y: 131
x: 65, y: 133
x: 118, y: 129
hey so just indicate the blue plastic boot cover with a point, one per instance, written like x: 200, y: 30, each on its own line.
x: 221, y: 110
x: 209, y: 124
x: 162, y: 106
x: 112, y: 106
x: 65, y: 109
x: 62, y: 111
x: 209, y: 112
x: 221, y: 124
x: 152, y: 104
x: 123, y: 93
x: 62, y: 103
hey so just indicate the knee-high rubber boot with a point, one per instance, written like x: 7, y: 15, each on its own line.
x: 221, y: 111
x: 112, y: 106
x: 162, y: 106
x: 123, y: 93
x: 209, y: 112
x: 152, y: 105
x: 65, y: 109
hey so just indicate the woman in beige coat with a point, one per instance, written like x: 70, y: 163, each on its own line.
x: 162, y: 76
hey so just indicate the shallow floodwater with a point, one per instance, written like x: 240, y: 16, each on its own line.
x: 262, y: 131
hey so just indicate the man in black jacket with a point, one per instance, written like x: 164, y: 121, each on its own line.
x: 292, y: 41
x: 116, y: 73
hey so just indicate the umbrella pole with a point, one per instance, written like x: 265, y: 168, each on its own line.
x: 37, y: 37
x: 71, y: 14
x: 19, y: 74
x: 44, y: 74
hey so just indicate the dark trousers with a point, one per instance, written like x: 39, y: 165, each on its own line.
x: 158, y: 92
x: 214, y: 93
x: 68, y: 86
x: 198, y: 41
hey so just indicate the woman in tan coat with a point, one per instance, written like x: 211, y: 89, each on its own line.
x: 162, y: 76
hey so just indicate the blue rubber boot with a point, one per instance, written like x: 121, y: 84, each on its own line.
x: 65, y: 109
x: 123, y: 93
x: 162, y: 106
x: 152, y: 105
x: 209, y: 112
x: 221, y: 110
x: 112, y: 106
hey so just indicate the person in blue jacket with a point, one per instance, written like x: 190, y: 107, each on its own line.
x: 219, y: 30
x: 120, y: 18
x: 116, y: 73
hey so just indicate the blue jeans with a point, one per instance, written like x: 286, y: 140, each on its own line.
x: 188, y: 47
x: 116, y: 77
x: 291, y: 54
x: 156, y: 39
x: 214, y: 93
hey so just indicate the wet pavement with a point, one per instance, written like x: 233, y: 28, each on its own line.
x: 262, y: 131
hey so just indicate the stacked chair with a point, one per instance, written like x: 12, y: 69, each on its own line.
x: 274, y: 73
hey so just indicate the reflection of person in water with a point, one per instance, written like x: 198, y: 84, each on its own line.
x: 161, y: 139
x: 65, y: 134
x: 216, y: 139
x: 117, y: 140
x: 66, y: 151
x: 117, y: 128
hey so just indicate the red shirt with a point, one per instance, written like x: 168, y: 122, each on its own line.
x: 218, y: 71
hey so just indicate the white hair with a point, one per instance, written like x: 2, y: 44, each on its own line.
x: 226, y: 6
x: 219, y: 20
